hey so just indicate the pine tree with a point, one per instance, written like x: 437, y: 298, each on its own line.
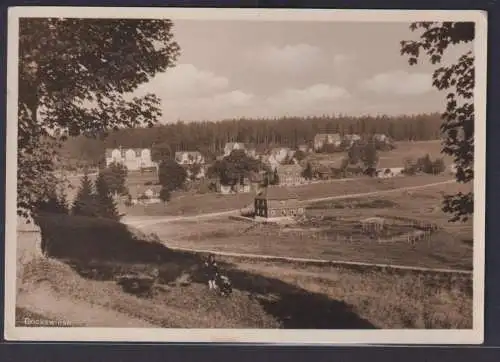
x: 307, y: 173
x: 105, y: 202
x: 276, y: 177
x: 85, y: 202
x: 165, y: 194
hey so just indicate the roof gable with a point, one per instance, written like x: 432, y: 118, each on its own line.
x: 277, y: 193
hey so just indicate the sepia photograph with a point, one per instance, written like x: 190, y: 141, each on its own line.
x: 251, y: 176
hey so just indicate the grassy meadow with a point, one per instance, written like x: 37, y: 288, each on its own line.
x: 88, y: 255
x: 327, y: 229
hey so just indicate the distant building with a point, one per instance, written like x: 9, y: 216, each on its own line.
x: 189, y: 158
x: 322, y: 139
x: 133, y: 159
x: 380, y: 137
x: 244, y: 185
x: 252, y: 152
x: 141, y: 194
x: 279, y: 155
x: 233, y: 146
x: 350, y: 139
x: 274, y: 202
x: 290, y: 174
x: 303, y: 148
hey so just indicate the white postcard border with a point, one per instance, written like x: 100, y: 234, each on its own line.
x: 472, y: 336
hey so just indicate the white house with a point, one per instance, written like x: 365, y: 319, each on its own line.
x: 352, y: 138
x: 280, y: 154
x: 132, y: 158
x: 232, y: 146
x: 380, y: 137
x: 189, y: 158
x: 322, y: 139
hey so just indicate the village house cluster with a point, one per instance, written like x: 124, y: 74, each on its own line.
x: 279, y: 160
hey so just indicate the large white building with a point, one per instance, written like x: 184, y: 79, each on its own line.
x: 132, y: 158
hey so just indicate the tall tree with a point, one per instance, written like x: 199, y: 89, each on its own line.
x: 85, y: 203
x: 171, y: 175
x: 369, y: 157
x: 104, y: 199
x: 76, y: 77
x: 458, y: 118
x: 276, y: 177
x: 307, y: 173
x: 115, y: 176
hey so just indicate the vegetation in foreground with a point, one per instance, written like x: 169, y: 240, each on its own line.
x: 267, y: 294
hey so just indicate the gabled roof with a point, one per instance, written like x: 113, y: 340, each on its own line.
x: 277, y: 193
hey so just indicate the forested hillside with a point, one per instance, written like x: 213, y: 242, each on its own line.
x: 210, y: 137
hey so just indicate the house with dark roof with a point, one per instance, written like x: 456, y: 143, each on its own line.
x: 275, y: 202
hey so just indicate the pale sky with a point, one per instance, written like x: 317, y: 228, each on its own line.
x: 231, y: 69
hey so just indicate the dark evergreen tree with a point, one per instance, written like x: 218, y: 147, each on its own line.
x: 165, y: 194
x: 85, y: 203
x: 276, y: 177
x: 308, y: 172
x: 106, y: 204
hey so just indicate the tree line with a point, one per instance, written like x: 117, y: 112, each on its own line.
x: 93, y: 199
x: 211, y: 137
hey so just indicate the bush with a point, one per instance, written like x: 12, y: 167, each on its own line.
x: 424, y: 164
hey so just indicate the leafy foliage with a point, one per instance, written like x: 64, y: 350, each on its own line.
x: 161, y: 152
x: 115, y: 176
x: 299, y: 155
x: 458, y: 118
x: 76, y: 77
x: 307, y: 173
x: 369, y: 156
x: 234, y: 167
x: 424, y: 164
x: 194, y: 170
x: 165, y: 194
x: 54, y: 203
x: 172, y: 176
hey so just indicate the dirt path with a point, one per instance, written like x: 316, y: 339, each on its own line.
x: 69, y: 311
